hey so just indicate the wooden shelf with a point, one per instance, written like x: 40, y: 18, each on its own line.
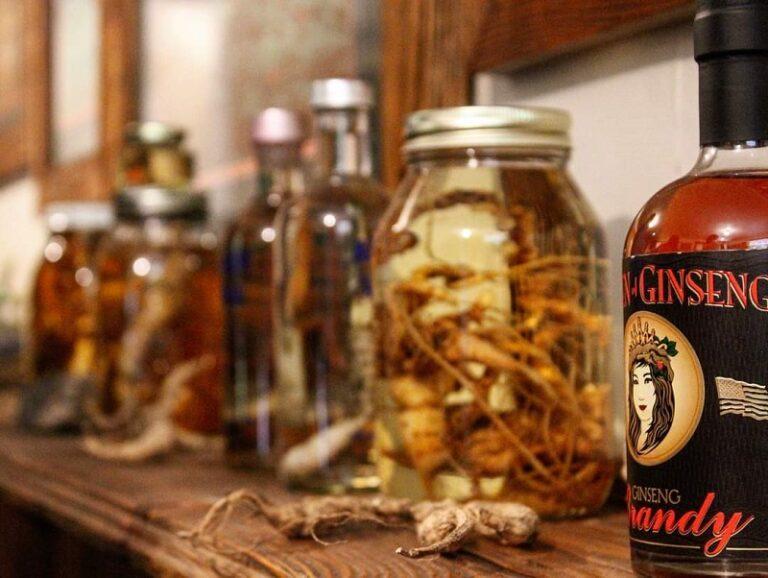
x: 139, y: 510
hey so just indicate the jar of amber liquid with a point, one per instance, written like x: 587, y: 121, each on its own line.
x: 492, y: 333
x: 153, y: 154
x: 161, y: 317
x: 64, y: 314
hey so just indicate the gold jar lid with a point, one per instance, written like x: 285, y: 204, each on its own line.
x: 79, y: 216
x: 153, y: 133
x: 487, y: 126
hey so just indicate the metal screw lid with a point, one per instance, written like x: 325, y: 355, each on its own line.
x: 487, y: 126
x: 78, y: 216
x: 152, y: 132
x: 146, y: 202
x: 277, y: 126
x: 341, y: 93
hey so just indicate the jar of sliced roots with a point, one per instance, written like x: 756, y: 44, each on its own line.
x: 492, y: 331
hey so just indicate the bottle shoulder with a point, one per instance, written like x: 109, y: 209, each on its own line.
x: 710, y: 212
x: 363, y: 194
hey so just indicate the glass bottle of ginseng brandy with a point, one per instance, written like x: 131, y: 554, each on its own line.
x: 323, y: 300
x: 695, y: 289
x: 277, y: 136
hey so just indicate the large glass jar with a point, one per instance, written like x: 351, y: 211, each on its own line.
x: 489, y: 284
x: 160, y: 310
x: 63, y: 316
x: 63, y: 326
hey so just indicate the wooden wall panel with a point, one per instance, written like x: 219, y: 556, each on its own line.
x: 87, y: 178
x: 14, y: 106
x: 91, y: 178
x: 432, y: 48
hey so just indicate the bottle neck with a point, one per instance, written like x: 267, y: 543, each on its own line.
x: 278, y: 173
x: 750, y: 157
x: 732, y: 101
x: 343, y: 143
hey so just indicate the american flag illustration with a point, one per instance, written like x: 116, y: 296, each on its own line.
x: 741, y: 398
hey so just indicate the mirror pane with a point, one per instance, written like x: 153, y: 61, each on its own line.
x: 76, y: 94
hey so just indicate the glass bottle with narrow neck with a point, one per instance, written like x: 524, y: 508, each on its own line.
x: 695, y: 288
x: 248, y: 420
x: 323, y: 316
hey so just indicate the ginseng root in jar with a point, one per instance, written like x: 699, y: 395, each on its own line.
x: 160, y: 309
x: 492, y: 332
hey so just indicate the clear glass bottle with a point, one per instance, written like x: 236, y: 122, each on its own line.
x: 695, y: 298
x: 160, y: 310
x: 323, y: 302
x: 63, y: 337
x: 248, y: 424
x: 489, y: 283
x: 153, y: 154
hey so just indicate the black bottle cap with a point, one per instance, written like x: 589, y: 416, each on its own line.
x: 731, y: 47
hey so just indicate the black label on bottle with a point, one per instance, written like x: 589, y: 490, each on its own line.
x: 696, y: 374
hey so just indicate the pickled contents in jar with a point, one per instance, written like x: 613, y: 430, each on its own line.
x: 63, y: 323
x: 160, y: 309
x: 491, y: 348
x: 165, y: 165
x: 324, y: 342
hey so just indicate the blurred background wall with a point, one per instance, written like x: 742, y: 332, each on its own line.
x: 209, y: 65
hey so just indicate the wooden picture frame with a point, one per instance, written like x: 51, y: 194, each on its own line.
x: 432, y: 48
x: 89, y: 177
x: 13, y: 113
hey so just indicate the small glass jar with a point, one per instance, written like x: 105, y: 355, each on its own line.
x: 160, y: 310
x: 62, y: 344
x: 63, y: 297
x: 153, y: 154
x: 490, y: 297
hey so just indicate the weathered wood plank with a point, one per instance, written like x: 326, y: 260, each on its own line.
x: 141, y: 508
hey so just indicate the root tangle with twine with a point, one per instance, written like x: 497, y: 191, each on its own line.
x: 441, y: 527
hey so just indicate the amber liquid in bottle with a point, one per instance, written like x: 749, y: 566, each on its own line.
x: 704, y: 213
x: 154, y: 321
x: 248, y: 294
x: 720, y: 206
x: 63, y: 320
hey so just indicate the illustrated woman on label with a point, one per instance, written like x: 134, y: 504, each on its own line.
x: 651, y: 398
